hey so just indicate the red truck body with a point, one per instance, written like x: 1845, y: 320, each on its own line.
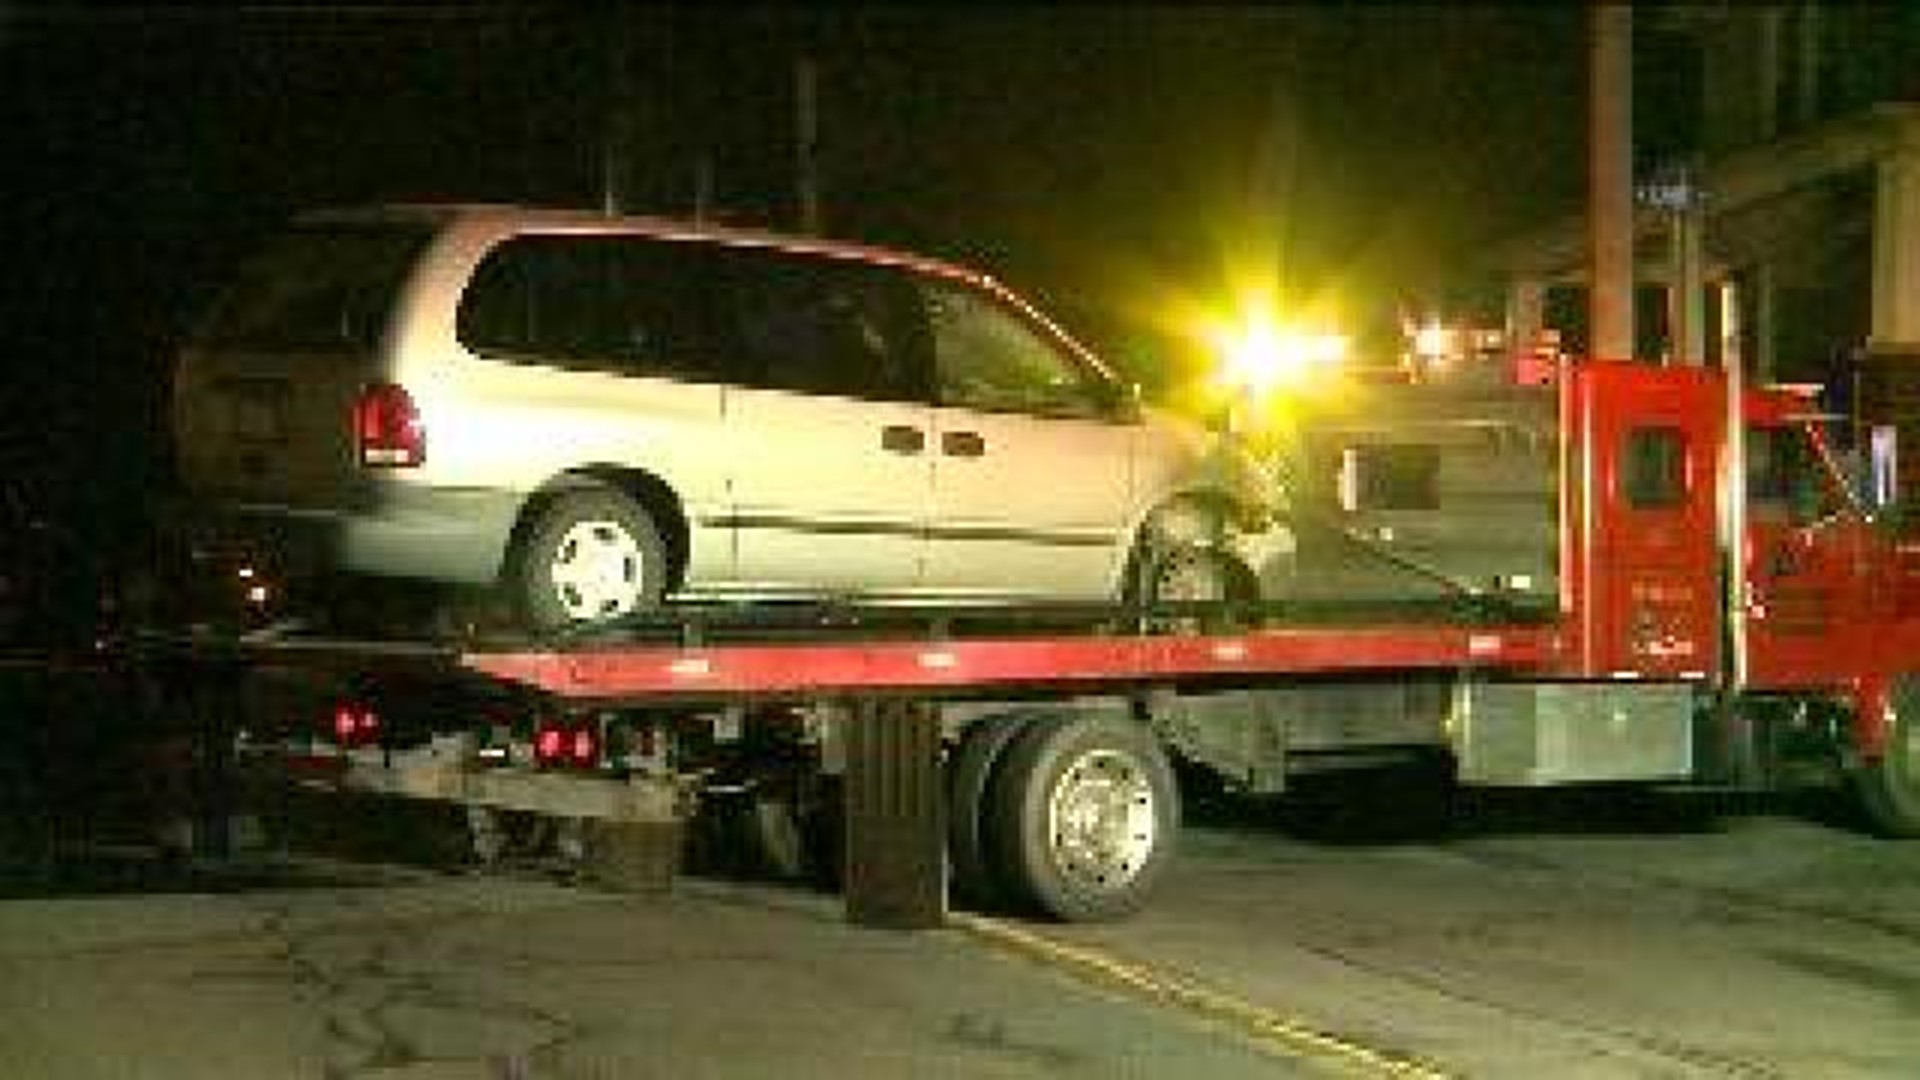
x: 1832, y: 605
x: 1723, y: 607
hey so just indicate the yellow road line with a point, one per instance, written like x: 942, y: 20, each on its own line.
x: 1265, y: 1027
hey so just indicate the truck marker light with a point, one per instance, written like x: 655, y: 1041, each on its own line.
x: 1484, y: 644
x: 584, y: 747
x: 1230, y: 652
x: 355, y: 725
x: 690, y: 667
x: 939, y: 661
x: 549, y: 744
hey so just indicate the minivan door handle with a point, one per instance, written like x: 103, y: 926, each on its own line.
x: 962, y: 444
x: 902, y: 439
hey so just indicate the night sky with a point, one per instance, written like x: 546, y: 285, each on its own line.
x: 1103, y: 162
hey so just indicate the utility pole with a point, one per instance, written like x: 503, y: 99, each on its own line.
x: 1275, y: 181
x: 1610, y: 184
x: 703, y: 186
x: 1676, y: 194
x: 806, y: 78
x: 618, y: 128
x: 1687, y: 314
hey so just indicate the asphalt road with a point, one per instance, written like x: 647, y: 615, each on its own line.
x: 316, y: 970
x: 1545, y: 937
x: 1563, y: 935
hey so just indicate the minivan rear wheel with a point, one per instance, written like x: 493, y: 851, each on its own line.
x: 593, y: 556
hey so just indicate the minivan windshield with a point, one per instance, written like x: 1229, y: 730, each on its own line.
x: 321, y: 288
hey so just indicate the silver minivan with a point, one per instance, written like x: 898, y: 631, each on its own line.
x: 599, y: 414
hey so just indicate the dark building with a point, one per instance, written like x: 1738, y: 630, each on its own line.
x: 1797, y: 128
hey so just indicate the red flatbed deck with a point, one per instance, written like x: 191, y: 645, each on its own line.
x: 625, y: 671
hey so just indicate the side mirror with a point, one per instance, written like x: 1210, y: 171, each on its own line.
x: 1123, y: 401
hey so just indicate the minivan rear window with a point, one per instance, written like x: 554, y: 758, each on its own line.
x: 321, y: 288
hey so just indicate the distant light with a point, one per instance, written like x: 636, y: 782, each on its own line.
x: 256, y: 594
x: 246, y: 573
x: 1432, y: 341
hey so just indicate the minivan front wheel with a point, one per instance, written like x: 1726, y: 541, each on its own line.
x: 592, y: 556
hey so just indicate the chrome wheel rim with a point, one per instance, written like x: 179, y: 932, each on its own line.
x: 1101, y: 824
x: 598, y: 571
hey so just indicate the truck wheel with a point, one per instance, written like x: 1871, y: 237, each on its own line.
x: 593, y: 556
x: 1889, y: 789
x: 982, y: 747
x: 1085, y: 816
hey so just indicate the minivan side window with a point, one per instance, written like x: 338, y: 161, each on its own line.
x: 629, y: 305
x: 988, y: 358
x: 821, y: 325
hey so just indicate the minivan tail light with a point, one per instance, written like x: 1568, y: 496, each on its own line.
x: 387, y: 428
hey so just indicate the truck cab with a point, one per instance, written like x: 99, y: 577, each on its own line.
x: 1726, y: 608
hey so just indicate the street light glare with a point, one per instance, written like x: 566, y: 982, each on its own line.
x: 1259, y: 357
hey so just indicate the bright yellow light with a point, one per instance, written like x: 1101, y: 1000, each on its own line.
x: 1259, y: 357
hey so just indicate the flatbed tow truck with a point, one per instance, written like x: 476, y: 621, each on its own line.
x: 1638, y: 576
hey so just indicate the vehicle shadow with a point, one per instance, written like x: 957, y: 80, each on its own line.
x: 93, y: 851
x: 149, y: 871
x: 1419, y: 806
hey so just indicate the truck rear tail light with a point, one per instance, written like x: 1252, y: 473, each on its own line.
x: 558, y: 745
x: 387, y: 430
x: 355, y: 725
x: 583, y: 748
x: 549, y: 744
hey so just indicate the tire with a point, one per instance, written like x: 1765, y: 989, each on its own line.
x: 977, y: 884
x: 1196, y: 575
x: 1202, y: 577
x: 593, y: 556
x: 1085, y: 817
x: 1889, y: 788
